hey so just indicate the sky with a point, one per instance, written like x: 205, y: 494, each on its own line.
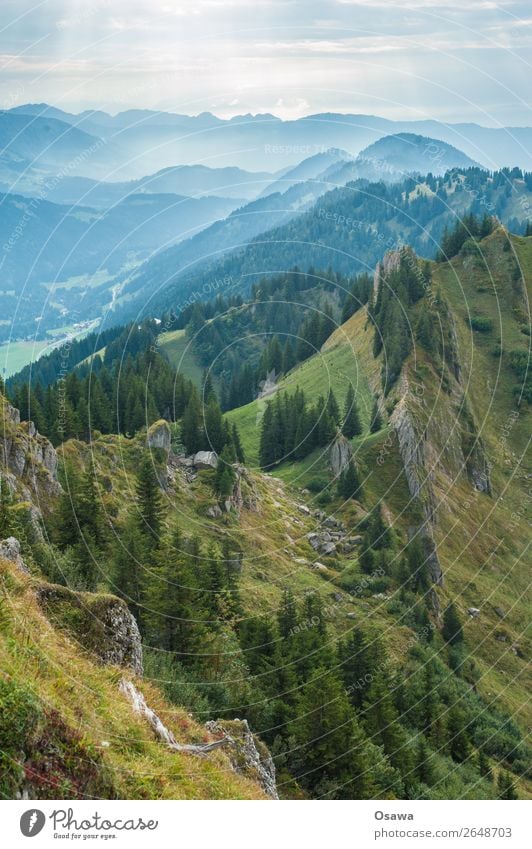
x: 454, y: 60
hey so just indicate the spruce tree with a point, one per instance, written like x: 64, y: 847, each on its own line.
x: 237, y: 444
x: 287, y: 615
x: 452, y: 631
x: 191, y: 427
x: 376, y: 418
x: 149, y: 500
x: 349, y: 483
x: 506, y: 787
x: 351, y: 425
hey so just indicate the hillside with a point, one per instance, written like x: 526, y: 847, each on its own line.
x: 347, y: 229
x: 383, y: 614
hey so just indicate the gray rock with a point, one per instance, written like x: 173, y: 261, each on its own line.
x: 500, y: 612
x: 303, y: 509
x: 10, y: 550
x: 339, y: 455
x: 473, y: 612
x: 206, y: 460
x: 214, y: 512
x: 319, y: 566
x: 328, y: 548
x: 159, y: 436
x: 314, y: 540
x: 248, y: 755
x: 125, y: 647
x: 350, y: 615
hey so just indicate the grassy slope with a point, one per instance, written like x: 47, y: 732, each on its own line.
x: 176, y: 347
x: 46, y: 662
x: 482, y: 540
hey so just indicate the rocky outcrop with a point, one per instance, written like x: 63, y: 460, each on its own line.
x: 100, y: 623
x: 340, y: 454
x: 205, y: 460
x: 248, y: 755
x: 411, y: 446
x: 30, y: 457
x: 10, y: 550
x: 245, y: 494
x: 159, y: 436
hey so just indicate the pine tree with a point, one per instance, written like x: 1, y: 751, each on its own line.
x: 208, y: 389
x: 376, y: 418
x: 128, y: 569
x: 378, y: 533
x: 225, y: 476
x: 424, y: 769
x: 381, y: 721
x: 149, y: 500
x: 351, y: 425
x: 452, y: 631
x: 330, y: 757
x: 333, y: 409
x: 214, y: 427
x: 237, y: 444
x: 349, y: 483
x: 483, y: 765
x: 287, y: 615
x: 459, y: 745
x: 506, y: 787
x: 191, y: 427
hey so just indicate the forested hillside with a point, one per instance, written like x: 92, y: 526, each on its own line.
x: 311, y: 503
x: 348, y: 230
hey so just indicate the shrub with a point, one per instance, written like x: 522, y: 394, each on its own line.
x: 480, y: 323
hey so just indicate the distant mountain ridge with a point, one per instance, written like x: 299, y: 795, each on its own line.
x: 150, y: 140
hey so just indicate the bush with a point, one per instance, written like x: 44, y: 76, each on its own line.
x: 480, y: 323
x: 317, y: 485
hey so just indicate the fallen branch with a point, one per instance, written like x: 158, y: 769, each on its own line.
x: 138, y: 702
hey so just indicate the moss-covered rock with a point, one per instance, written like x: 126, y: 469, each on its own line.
x: 99, y: 622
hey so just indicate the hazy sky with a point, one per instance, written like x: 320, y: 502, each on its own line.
x: 455, y: 60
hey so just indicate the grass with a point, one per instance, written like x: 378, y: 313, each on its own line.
x: 335, y: 367
x: 64, y: 689
x: 15, y: 355
x: 176, y: 347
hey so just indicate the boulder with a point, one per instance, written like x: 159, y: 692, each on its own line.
x: 328, y: 548
x: 100, y: 623
x: 10, y: 550
x: 159, y: 436
x: 473, y: 612
x: 205, y: 460
x: 314, y: 540
x: 214, y: 512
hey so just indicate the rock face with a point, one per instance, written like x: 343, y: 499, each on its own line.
x: 339, y: 455
x: 159, y: 436
x: 205, y: 460
x: 30, y: 457
x: 102, y: 624
x: 10, y: 550
x: 124, y: 647
x: 248, y: 754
